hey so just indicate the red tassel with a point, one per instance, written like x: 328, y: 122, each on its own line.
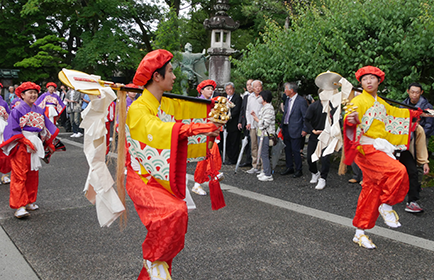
x: 215, y: 192
x: 216, y: 195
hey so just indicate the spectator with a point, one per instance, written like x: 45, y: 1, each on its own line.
x: 416, y: 154
x: 416, y: 99
x: 73, y: 108
x: 233, y: 139
x: 315, y: 122
x: 254, y: 104
x: 64, y: 117
x: 242, y: 122
x: 357, y: 174
x: 293, y: 129
x: 266, y: 128
x: 85, y: 101
x: 10, y: 95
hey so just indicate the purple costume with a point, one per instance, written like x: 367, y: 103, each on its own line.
x: 52, y: 104
x: 129, y: 102
x: 4, y: 109
x: 15, y: 102
x: 24, y: 118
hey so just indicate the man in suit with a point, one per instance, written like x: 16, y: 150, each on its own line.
x: 233, y: 139
x: 242, y: 122
x: 293, y: 129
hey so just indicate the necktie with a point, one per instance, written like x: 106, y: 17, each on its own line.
x: 286, y: 121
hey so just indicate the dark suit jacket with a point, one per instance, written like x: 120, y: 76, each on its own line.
x: 242, y: 118
x: 296, y: 117
x: 232, y: 124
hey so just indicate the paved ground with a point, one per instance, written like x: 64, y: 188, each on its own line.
x: 283, y: 229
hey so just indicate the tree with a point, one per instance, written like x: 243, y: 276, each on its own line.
x: 105, y: 37
x: 46, y: 62
x: 342, y: 36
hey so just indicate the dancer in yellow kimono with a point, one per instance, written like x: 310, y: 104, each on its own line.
x: 156, y: 163
x: 372, y: 133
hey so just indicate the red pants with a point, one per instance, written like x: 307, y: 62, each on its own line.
x: 164, y: 216
x: 385, y: 180
x: 24, y: 183
x: 204, y: 166
x: 55, y: 118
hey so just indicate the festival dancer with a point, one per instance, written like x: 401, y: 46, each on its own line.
x: 206, y: 89
x: 4, y: 114
x: 16, y: 101
x: 150, y: 142
x: 24, y: 135
x: 51, y: 103
x: 372, y: 133
x: 131, y: 95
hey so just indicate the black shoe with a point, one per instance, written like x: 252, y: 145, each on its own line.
x: 228, y: 163
x: 246, y: 164
x: 297, y: 174
x: 287, y: 171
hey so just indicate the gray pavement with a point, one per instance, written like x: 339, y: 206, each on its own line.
x: 283, y: 229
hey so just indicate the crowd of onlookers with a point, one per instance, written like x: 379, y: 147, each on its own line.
x: 254, y: 118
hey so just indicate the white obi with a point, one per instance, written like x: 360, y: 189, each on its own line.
x: 35, y: 162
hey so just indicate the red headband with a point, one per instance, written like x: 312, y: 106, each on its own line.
x: 370, y: 70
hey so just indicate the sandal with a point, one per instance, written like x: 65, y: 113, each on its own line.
x: 364, y: 241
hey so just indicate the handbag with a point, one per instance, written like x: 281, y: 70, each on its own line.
x: 272, y: 139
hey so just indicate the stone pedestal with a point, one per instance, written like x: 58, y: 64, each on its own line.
x: 220, y: 67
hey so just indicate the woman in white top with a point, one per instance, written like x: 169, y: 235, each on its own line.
x: 266, y: 128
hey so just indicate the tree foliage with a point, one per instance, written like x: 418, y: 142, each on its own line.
x: 105, y: 37
x: 342, y: 36
x: 46, y: 61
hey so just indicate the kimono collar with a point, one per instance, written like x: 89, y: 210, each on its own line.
x: 149, y: 99
x: 365, y: 92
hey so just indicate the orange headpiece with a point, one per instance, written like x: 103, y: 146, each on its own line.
x: 51, y: 84
x: 150, y: 63
x: 132, y: 85
x: 26, y: 86
x: 206, y: 83
x: 370, y: 70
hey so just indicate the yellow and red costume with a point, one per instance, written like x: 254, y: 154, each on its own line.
x: 213, y: 163
x: 385, y: 179
x: 160, y: 140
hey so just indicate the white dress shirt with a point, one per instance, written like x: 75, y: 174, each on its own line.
x: 252, y: 105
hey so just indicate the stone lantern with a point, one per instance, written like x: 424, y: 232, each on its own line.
x: 221, y: 25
